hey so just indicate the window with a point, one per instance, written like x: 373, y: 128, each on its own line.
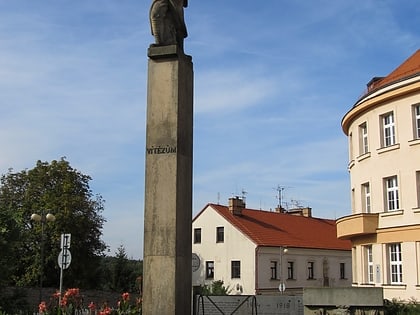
x: 363, y: 139
x: 290, y: 270
x: 351, y: 147
x: 197, y: 236
x: 388, y: 126
x: 209, y: 269
x: 395, y: 263
x: 274, y: 270
x: 369, y: 259
x: 311, y: 270
x: 235, y: 269
x: 416, y: 118
x: 342, y: 271
x: 220, y: 234
x: 418, y: 188
x: 366, y: 198
x: 392, y: 198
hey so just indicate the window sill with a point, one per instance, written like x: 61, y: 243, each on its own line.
x: 388, y: 148
x: 401, y: 286
x: 416, y: 210
x: 414, y: 142
x: 363, y: 156
x: 392, y: 213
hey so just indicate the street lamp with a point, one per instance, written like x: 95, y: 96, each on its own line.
x: 282, y: 286
x: 41, y: 218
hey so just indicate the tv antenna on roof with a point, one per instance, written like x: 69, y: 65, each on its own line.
x: 279, y: 196
x: 243, y: 197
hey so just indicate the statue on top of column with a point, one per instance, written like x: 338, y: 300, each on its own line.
x: 167, y: 22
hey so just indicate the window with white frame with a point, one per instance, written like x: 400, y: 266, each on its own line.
x: 290, y: 270
x: 209, y: 269
x: 366, y: 198
x: 363, y: 139
x: 311, y: 270
x: 342, y: 271
x: 388, y: 126
x: 197, y: 235
x: 395, y: 263
x: 416, y: 121
x: 418, y: 188
x: 273, y: 269
x: 235, y: 269
x: 392, y: 195
x: 369, y: 260
x: 220, y: 234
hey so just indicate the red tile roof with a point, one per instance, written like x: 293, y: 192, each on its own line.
x: 281, y: 229
x: 408, y: 68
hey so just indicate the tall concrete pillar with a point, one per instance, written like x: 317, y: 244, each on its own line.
x: 168, y: 191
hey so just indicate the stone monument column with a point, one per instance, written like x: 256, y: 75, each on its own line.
x: 168, y: 190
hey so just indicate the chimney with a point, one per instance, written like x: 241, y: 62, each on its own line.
x: 280, y: 210
x: 236, y: 205
x: 305, y: 212
x: 372, y: 84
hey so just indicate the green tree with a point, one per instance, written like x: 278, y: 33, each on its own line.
x: 121, y: 274
x: 63, y: 191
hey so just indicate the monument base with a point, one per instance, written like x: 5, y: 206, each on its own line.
x: 168, y: 189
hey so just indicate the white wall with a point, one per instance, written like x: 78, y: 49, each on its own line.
x: 235, y: 247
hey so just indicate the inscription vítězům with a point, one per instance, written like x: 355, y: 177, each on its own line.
x: 161, y: 150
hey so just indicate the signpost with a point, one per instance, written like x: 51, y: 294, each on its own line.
x: 64, y: 258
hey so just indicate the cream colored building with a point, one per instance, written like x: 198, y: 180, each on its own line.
x: 254, y: 251
x: 383, y: 130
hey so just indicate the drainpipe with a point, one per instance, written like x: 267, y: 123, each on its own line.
x: 257, y: 249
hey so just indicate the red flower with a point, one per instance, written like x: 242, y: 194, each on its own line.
x: 63, y: 301
x: 72, y: 292
x: 126, y: 296
x: 92, y: 306
x: 42, y: 307
x: 105, y: 311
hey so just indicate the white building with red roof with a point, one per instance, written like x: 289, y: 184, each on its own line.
x: 383, y: 129
x: 261, y: 252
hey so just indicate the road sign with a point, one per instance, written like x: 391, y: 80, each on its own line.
x: 195, y: 262
x: 64, y: 259
x: 65, y: 240
x: 282, y: 287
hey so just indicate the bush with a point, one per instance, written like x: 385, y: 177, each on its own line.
x: 216, y: 288
x: 398, y: 307
x: 14, y: 302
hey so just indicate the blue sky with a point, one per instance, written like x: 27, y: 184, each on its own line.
x: 272, y: 81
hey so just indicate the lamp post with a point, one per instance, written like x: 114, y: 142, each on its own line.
x: 282, y: 286
x: 43, y: 219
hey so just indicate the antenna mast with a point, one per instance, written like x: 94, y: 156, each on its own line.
x: 280, y: 190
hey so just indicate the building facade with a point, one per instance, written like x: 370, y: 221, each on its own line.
x: 262, y: 252
x: 383, y: 130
